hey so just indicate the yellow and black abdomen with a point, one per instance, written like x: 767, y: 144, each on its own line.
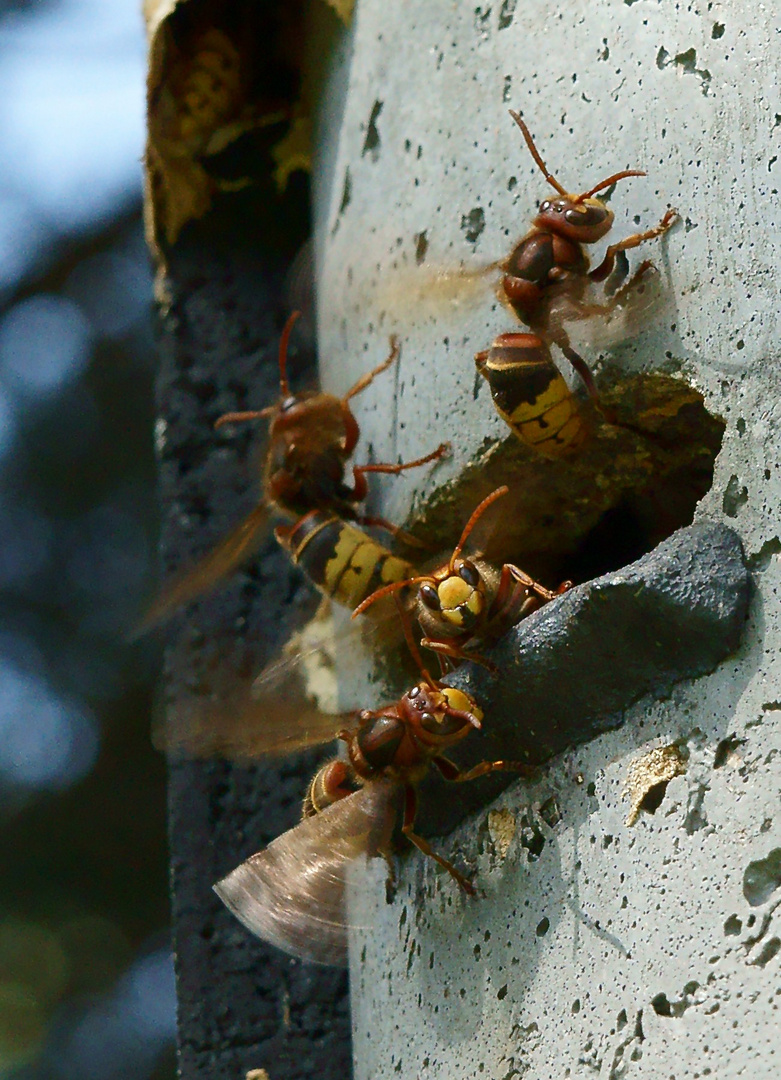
x: 341, y: 560
x: 531, y: 395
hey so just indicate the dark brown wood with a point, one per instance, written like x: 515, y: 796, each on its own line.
x: 242, y: 1005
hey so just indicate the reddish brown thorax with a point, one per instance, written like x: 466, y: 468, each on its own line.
x: 311, y: 438
x: 403, y: 736
x: 551, y: 253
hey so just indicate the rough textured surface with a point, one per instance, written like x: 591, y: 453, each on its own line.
x: 583, y: 660
x: 242, y: 1005
x: 589, y: 512
x: 599, y: 949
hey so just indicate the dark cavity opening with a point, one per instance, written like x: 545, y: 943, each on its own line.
x: 654, y: 797
x: 661, y: 1005
x: 725, y: 750
x: 531, y: 839
x: 600, y: 505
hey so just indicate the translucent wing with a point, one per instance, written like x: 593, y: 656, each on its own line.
x: 241, y: 730
x: 248, y: 719
x: 433, y: 289
x: 237, y: 546
x: 306, y: 668
x: 292, y: 894
x: 604, y: 318
x: 300, y: 292
x: 325, y: 651
x: 292, y: 704
x: 438, y: 289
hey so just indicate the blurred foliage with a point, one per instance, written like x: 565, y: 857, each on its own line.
x: 86, y: 978
x: 84, y: 887
x: 86, y: 983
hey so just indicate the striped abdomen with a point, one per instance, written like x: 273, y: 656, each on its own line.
x: 333, y: 781
x: 344, y: 562
x: 530, y: 393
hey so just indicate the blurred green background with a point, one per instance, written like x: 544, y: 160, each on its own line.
x: 86, y: 979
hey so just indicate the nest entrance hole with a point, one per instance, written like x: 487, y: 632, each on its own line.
x: 599, y: 508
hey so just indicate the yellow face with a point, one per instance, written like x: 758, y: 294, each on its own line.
x: 440, y: 715
x: 457, y: 699
x: 458, y: 597
x: 458, y: 601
